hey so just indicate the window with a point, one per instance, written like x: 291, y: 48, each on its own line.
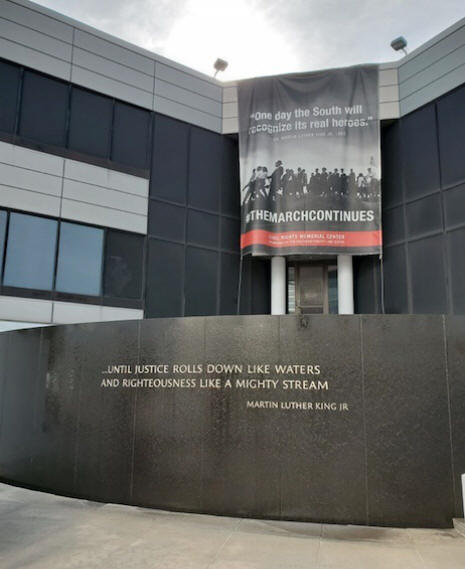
x: 170, y: 159
x: 44, y: 109
x: 9, y: 80
x: 130, y: 135
x: 3, y: 218
x: 123, y: 265
x: 204, y: 169
x: 90, y: 123
x: 30, y: 257
x: 332, y: 290
x: 79, y: 259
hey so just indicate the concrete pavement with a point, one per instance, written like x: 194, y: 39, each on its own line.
x: 43, y: 531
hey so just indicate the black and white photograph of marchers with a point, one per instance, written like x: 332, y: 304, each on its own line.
x: 321, y: 184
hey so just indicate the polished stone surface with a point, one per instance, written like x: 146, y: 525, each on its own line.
x: 387, y: 450
x: 43, y: 531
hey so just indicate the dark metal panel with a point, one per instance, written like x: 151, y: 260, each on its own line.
x: 201, y: 282
x: 204, y: 181
x: 451, y: 125
x: 456, y: 242
x: 202, y: 228
x: 420, y: 156
x: 395, y: 280
x: 165, y: 279
x: 428, y: 280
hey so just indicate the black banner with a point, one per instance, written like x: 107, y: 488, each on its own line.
x: 310, y: 163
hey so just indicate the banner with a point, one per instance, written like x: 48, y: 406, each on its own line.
x: 309, y: 148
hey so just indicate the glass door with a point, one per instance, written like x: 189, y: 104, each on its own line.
x: 312, y: 288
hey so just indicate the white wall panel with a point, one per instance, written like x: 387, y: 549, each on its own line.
x: 388, y: 76
x: 389, y: 110
x: 230, y: 110
x: 109, y: 313
x: 435, y: 50
x: 6, y: 325
x: 26, y: 200
x: 111, y: 87
x: 25, y: 309
x: 230, y: 94
x: 28, y: 16
x: 433, y: 90
x: 17, y: 177
x: 31, y: 159
x: 181, y: 112
x: 70, y: 313
x: 105, y: 197
x: 188, y: 98
x: 41, y: 183
x: 388, y: 93
x: 433, y: 73
x: 113, y: 70
x: 230, y: 125
x: 99, y: 215
x: 17, y: 313
x: 190, y: 82
x: 30, y: 180
x: 30, y: 38
x: 111, y: 50
x: 104, y: 177
x: 35, y: 59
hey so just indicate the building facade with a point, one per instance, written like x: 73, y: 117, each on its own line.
x: 119, y: 183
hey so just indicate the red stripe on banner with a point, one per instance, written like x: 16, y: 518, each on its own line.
x: 311, y: 238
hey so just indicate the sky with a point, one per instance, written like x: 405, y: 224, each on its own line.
x: 267, y: 37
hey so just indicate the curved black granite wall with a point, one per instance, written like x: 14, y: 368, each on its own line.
x: 370, y: 431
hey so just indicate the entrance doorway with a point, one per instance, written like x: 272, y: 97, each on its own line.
x: 312, y: 288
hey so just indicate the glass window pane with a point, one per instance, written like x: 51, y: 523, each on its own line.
x: 170, y: 159
x: 90, y: 123
x: 79, y: 259
x: 290, y: 289
x: 204, y: 169
x: 3, y: 218
x: 332, y: 291
x: 30, y: 257
x: 9, y: 81
x: 124, y: 258
x: 130, y: 135
x: 44, y: 107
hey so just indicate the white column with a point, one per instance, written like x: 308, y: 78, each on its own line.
x: 278, y: 285
x: 345, y: 284
x: 463, y: 492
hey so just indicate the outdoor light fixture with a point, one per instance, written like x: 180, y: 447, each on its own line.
x: 399, y: 43
x: 219, y: 65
